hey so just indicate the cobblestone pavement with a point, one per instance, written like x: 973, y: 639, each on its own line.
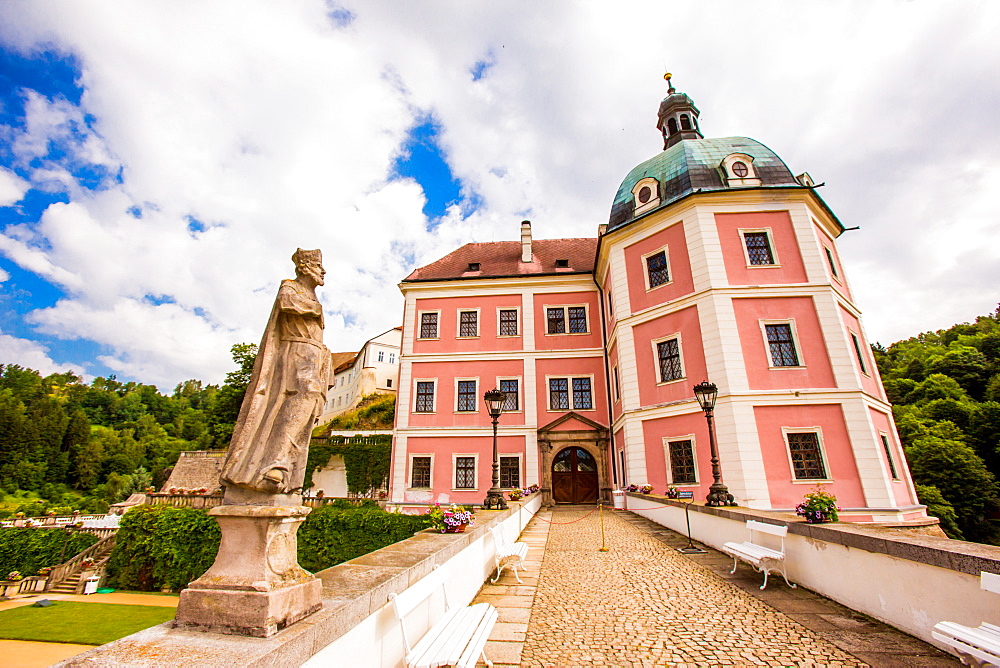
x: 643, y: 604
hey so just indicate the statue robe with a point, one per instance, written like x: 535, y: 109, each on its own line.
x: 286, y: 394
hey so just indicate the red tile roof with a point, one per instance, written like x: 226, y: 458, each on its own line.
x: 503, y: 258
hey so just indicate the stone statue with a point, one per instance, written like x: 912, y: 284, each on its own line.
x: 255, y: 586
x: 266, y: 461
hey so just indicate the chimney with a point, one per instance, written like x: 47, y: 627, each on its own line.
x: 525, y: 241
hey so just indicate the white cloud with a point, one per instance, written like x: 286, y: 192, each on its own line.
x: 276, y: 129
x: 32, y: 355
x: 12, y: 187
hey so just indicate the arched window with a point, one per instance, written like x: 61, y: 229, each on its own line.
x: 685, y: 122
x: 672, y: 126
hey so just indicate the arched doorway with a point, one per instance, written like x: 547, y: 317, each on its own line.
x: 574, y: 476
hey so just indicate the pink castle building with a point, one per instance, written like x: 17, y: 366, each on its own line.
x: 716, y: 264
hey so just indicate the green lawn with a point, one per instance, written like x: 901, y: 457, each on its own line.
x: 83, y: 623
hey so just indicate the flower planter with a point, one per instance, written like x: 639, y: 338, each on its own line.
x: 460, y: 528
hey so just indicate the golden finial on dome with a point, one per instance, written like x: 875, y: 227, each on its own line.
x: 667, y: 77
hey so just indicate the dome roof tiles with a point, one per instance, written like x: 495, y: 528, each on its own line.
x: 694, y: 165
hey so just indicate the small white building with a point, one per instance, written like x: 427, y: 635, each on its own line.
x: 372, y: 370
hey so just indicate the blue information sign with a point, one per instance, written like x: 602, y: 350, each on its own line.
x: 685, y: 495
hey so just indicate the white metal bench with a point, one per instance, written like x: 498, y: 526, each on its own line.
x: 456, y: 639
x: 507, y: 553
x: 764, y: 559
x: 978, y: 646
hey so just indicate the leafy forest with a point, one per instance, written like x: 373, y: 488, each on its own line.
x: 68, y: 445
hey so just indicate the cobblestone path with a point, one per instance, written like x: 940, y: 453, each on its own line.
x: 643, y: 604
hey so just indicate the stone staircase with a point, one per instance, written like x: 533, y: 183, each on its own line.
x: 68, y: 577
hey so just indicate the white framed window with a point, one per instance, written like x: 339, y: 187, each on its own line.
x: 668, y: 359
x: 424, y: 395
x: 381, y: 355
x: 466, y: 395
x: 510, y: 472
x: 758, y: 248
x: 738, y: 170
x: 832, y: 262
x: 857, y: 351
x: 468, y: 323
x: 887, y: 446
x: 618, y: 391
x: 511, y: 387
x: 508, y: 321
x: 465, y: 467
x: 570, y: 319
x: 781, y: 343
x: 421, y: 469
x: 429, y: 324
x: 656, y: 268
x: 647, y: 194
x: 806, y: 456
x: 682, y: 462
x: 570, y: 393
x: 392, y: 358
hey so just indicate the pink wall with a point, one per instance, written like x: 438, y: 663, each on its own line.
x: 445, y: 415
x: 565, y: 368
x: 592, y: 339
x: 816, y: 370
x: 870, y: 381
x: 841, y: 468
x: 441, y: 448
x: 448, y: 341
x: 784, y: 244
x: 839, y: 281
x: 900, y: 490
x: 686, y: 322
x: 681, y: 282
x: 676, y: 428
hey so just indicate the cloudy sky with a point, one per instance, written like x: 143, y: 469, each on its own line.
x: 161, y: 161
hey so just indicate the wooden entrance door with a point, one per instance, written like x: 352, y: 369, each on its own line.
x: 574, y: 477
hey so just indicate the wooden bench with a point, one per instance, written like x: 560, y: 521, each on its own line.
x: 456, y: 639
x: 764, y: 559
x: 978, y: 646
x: 507, y: 553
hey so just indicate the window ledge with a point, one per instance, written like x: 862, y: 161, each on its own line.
x: 661, y: 285
x: 763, y: 266
x: 669, y: 382
x: 429, y: 338
x: 812, y: 481
x: 778, y: 368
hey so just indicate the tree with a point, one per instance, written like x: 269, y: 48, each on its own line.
x: 938, y: 507
x: 226, y: 410
x: 967, y: 366
x: 940, y: 460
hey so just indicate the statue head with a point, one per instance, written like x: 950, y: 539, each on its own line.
x: 309, y: 263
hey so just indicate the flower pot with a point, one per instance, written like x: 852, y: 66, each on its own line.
x: 456, y: 529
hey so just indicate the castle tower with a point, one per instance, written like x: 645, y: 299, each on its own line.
x: 717, y: 264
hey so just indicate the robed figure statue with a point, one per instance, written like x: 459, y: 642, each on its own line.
x: 266, y: 461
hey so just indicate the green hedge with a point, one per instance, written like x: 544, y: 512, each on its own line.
x: 332, y: 535
x: 27, y: 550
x: 161, y: 546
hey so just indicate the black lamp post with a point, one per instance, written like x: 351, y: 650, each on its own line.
x: 494, y: 404
x: 718, y: 494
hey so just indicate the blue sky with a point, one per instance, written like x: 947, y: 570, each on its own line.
x: 160, y: 161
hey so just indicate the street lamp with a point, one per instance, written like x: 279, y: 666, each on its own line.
x: 718, y: 494
x: 494, y: 404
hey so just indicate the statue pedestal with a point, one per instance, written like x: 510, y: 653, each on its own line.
x: 256, y: 586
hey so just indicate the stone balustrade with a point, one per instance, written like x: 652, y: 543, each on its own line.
x: 356, y: 620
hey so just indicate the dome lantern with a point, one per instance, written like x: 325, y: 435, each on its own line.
x: 678, y: 117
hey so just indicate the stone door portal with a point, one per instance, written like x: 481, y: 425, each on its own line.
x: 574, y: 477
